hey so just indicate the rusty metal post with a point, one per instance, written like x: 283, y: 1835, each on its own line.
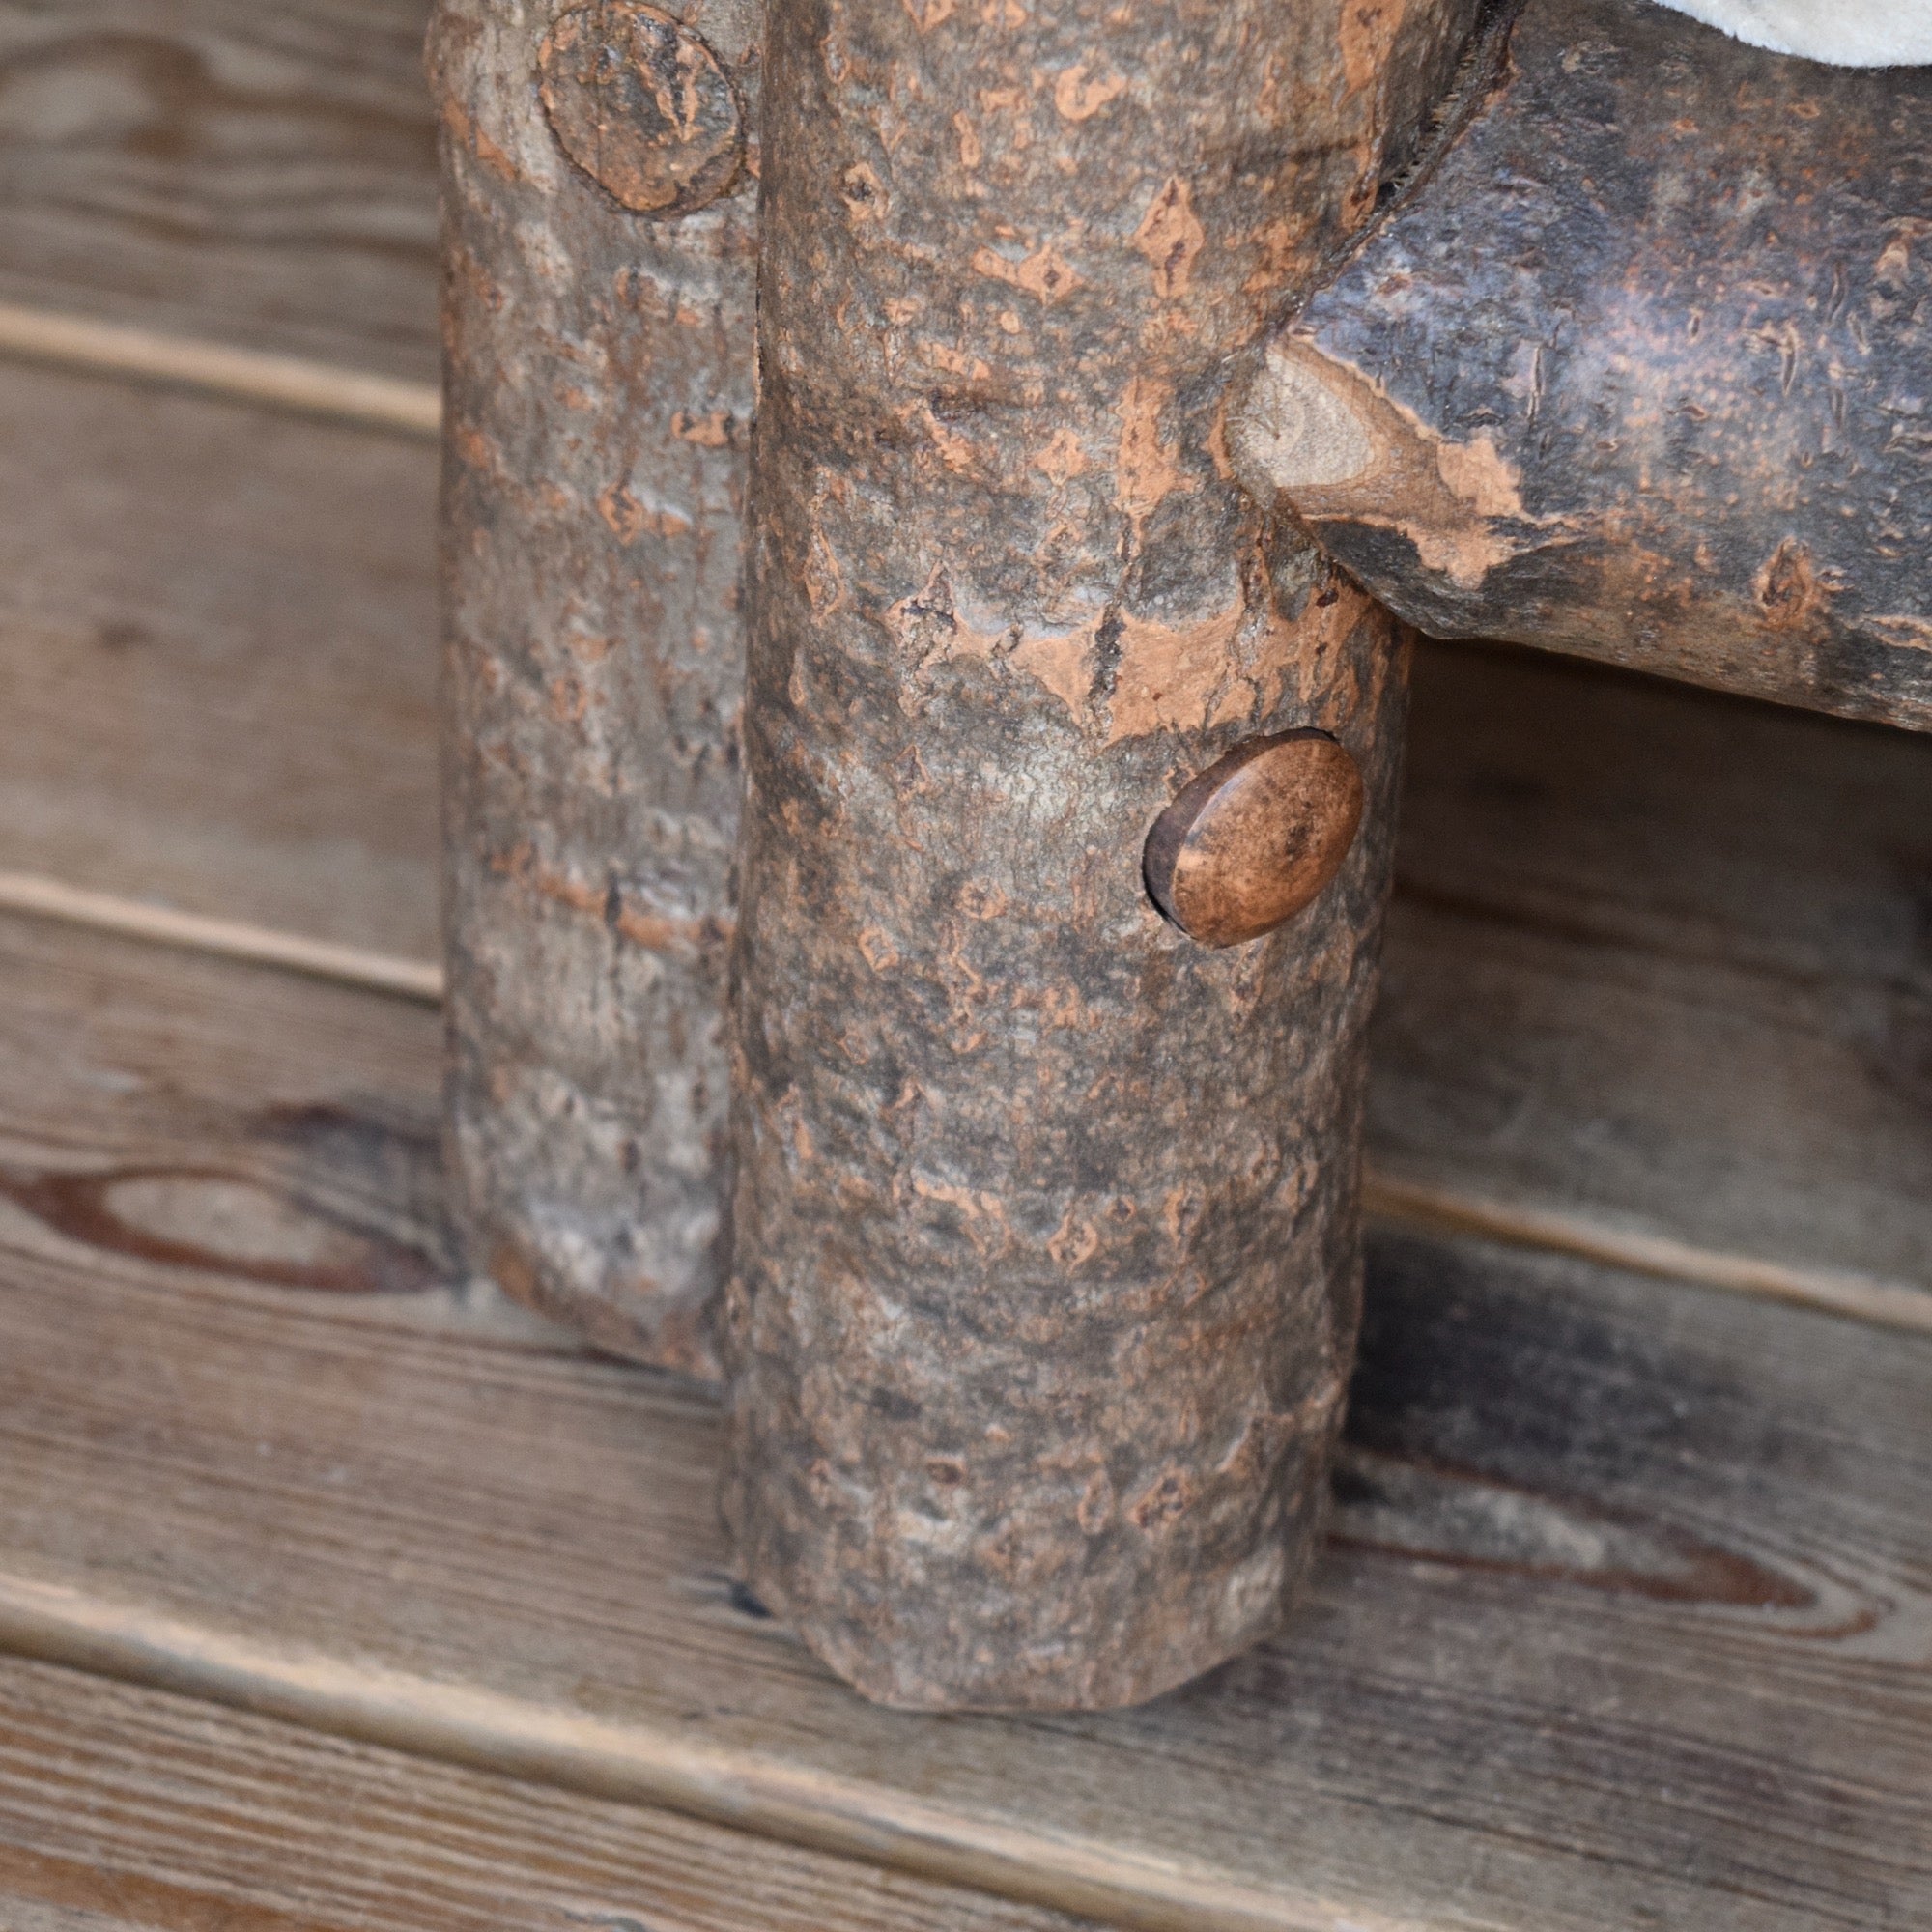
x: 598, y: 165
x: 1048, y: 1259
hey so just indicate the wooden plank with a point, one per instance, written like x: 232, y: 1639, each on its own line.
x: 1648, y: 1063
x: 1657, y: 973
x: 1656, y: 988
x: 218, y: 667
x: 130, y: 1810
x: 258, y: 1129
x: 255, y: 175
x: 248, y: 375
x: 1627, y: 1622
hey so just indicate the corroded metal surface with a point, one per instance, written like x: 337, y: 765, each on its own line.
x: 1643, y: 371
x: 1048, y: 1277
x: 598, y: 315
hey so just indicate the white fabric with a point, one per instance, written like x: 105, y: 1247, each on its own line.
x: 1846, y: 33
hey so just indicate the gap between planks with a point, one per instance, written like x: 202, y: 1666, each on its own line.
x: 1886, y: 1304
x: 247, y: 375
x: 1896, y: 1305
x: 482, y: 1728
x: 232, y: 939
x: 415, y: 408
x: 1860, y: 1297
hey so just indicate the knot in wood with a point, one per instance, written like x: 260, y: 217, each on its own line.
x: 642, y: 105
x: 1257, y: 837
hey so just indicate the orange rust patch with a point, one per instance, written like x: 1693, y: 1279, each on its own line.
x: 982, y: 1215
x: 1169, y: 677
x: 1062, y: 662
x: 1076, y: 1241
x: 470, y: 135
x: 655, y: 932
x: 474, y: 451
x: 863, y: 192
x: 956, y: 361
x: 1904, y: 633
x: 1789, y: 590
x: 1062, y: 459
x: 628, y: 518
x: 1369, y: 28
x: 1232, y: 666
x: 568, y: 701
x: 1894, y: 260
x: 824, y: 582
x: 877, y: 950
x: 709, y: 432
x: 1162, y: 1500
x: 933, y: 631
x: 955, y: 451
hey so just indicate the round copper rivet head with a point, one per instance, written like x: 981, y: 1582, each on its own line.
x: 1256, y: 837
x: 640, y: 103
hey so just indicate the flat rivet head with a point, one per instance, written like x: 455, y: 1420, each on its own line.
x: 642, y: 104
x: 1256, y: 837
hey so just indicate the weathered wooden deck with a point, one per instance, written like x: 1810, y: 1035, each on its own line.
x: 334, y: 1596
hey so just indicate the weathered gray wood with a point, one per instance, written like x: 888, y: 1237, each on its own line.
x: 217, y: 669
x: 1638, y: 369
x: 123, y: 1809
x: 1658, y: 967
x: 262, y: 175
x: 598, y: 415
x: 1654, y: 1562
x: 217, y: 666
x: 252, y: 1125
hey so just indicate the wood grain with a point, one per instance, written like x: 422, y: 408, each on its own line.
x: 124, y: 1809
x: 1660, y: 964
x: 255, y: 175
x: 217, y: 662
x: 1628, y: 1619
x: 1658, y: 967
x: 248, y: 375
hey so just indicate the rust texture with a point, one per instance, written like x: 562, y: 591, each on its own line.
x: 1643, y: 370
x: 1256, y: 837
x: 1047, y: 1232
x: 599, y: 270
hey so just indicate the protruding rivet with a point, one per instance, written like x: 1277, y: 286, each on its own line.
x: 1256, y: 837
x: 642, y: 105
